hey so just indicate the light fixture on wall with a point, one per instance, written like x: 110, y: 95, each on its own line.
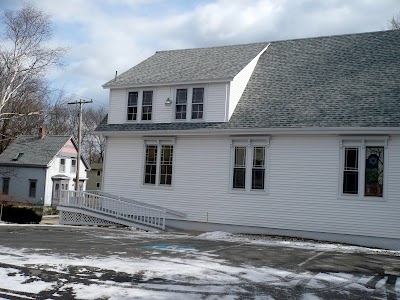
x: 168, y: 102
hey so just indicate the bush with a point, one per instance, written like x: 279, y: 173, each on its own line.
x: 21, y: 215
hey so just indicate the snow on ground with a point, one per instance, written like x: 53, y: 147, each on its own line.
x: 190, y: 276
x: 290, y: 242
x: 12, y: 278
x: 187, y: 274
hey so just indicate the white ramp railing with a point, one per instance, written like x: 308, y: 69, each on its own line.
x: 134, y: 212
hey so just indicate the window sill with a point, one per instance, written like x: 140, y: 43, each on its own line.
x: 362, y: 198
x: 247, y: 192
x: 157, y: 187
x: 190, y: 121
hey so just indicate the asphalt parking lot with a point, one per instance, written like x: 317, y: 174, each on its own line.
x: 61, y: 262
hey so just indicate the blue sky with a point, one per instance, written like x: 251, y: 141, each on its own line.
x: 104, y: 36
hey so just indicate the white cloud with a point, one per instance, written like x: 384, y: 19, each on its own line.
x: 105, y: 36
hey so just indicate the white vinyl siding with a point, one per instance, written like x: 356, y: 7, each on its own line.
x: 303, y: 184
x: 163, y: 113
x: 117, y: 106
x: 239, y: 84
x: 215, y: 101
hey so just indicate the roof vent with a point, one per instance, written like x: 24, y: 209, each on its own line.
x: 18, y: 156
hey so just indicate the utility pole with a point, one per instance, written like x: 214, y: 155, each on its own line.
x: 78, y: 160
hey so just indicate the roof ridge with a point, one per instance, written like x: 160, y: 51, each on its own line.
x: 279, y: 41
x: 213, y: 47
x: 335, y: 35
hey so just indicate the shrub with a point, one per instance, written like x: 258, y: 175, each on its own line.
x: 20, y: 215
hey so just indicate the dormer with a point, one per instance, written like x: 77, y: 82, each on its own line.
x: 191, y: 85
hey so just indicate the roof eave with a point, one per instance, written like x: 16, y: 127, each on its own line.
x: 167, y: 83
x: 22, y: 165
x: 247, y: 131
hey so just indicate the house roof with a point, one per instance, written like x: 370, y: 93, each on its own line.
x: 36, y: 151
x: 337, y: 81
x: 201, y: 64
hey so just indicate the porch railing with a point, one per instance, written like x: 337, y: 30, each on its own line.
x: 134, y: 212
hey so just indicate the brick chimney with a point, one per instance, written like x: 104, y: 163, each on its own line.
x: 42, y: 132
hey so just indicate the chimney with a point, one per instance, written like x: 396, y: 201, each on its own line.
x: 42, y: 132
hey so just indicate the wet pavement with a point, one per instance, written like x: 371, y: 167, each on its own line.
x: 64, y: 262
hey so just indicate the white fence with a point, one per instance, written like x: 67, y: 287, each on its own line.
x: 131, y: 211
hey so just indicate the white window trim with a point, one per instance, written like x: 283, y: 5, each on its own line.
x: 189, y: 103
x: 139, y: 105
x: 361, y: 143
x: 250, y: 143
x: 155, y: 141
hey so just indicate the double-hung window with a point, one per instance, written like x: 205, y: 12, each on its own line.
x: 249, y: 164
x: 181, y: 104
x: 147, y: 105
x: 197, y: 103
x: 158, y: 166
x: 132, y: 106
x: 189, y: 104
x: 140, y: 105
x: 62, y: 165
x: 363, y: 167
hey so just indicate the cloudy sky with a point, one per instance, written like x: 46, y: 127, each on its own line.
x: 104, y: 36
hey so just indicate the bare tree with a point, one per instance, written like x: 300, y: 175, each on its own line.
x: 394, y: 22
x: 93, y: 145
x: 62, y: 119
x: 24, y: 114
x: 59, y: 119
x: 25, y: 55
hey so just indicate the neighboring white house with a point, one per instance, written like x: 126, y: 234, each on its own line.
x: 35, y: 168
x: 297, y: 137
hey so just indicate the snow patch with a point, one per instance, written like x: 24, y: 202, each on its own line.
x: 11, y: 279
x: 309, y: 296
x: 218, y: 235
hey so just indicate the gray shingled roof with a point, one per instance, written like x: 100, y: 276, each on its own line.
x: 338, y: 81
x: 37, y: 152
x: 190, y: 65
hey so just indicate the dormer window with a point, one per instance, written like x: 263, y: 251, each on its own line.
x: 197, y: 103
x: 181, y: 104
x: 132, y: 105
x: 140, y: 106
x: 147, y: 105
x: 189, y: 104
